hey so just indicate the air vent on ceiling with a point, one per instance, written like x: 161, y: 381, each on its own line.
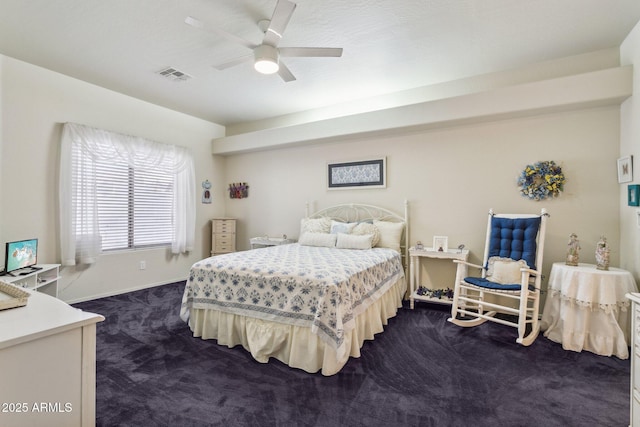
x: 173, y: 74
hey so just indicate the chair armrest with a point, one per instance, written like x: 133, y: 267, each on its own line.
x: 526, y: 277
x: 468, y: 264
x: 462, y: 269
x: 530, y: 271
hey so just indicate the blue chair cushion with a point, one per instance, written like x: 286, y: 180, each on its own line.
x: 514, y: 238
x: 488, y: 284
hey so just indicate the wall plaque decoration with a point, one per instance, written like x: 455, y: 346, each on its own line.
x: 625, y: 169
x: 206, y: 192
x: 238, y: 190
x: 361, y: 174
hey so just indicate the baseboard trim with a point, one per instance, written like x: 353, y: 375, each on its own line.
x: 124, y: 291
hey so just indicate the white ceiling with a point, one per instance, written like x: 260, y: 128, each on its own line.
x: 389, y: 46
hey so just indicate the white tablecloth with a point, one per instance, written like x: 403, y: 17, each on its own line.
x: 586, y: 309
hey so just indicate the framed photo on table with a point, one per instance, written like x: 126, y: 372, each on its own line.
x: 440, y: 243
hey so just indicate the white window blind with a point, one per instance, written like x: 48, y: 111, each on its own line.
x: 123, y: 192
x: 134, y: 205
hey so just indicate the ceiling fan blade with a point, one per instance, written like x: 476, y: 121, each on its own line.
x: 279, y: 21
x: 234, y: 62
x: 285, y: 74
x: 311, y: 51
x: 215, y: 30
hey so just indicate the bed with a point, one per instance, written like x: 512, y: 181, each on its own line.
x: 309, y: 304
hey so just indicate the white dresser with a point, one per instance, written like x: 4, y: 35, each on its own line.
x: 48, y: 359
x: 635, y: 359
x: 223, y: 235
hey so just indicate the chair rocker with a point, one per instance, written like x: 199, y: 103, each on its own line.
x: 511, y: 276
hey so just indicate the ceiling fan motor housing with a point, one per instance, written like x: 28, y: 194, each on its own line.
x: 266, y: 59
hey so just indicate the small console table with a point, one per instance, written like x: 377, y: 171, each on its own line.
x: 415, y: 258
x: 44, y: 280
x: 586, y: 309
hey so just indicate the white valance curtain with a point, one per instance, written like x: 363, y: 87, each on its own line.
x: 79, y: 223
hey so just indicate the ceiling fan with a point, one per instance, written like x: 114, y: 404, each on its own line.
x: 266, y: 56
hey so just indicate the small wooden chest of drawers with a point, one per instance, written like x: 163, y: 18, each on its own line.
x: 223, y: 235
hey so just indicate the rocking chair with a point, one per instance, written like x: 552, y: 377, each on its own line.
x: 510, y: 279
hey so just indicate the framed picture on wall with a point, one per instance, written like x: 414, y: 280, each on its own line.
x: 360, y: 174
x: 625, y: 169
x: 633, y: 195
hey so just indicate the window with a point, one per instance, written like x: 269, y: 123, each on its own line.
x: 122, y: 192
x: 134, y: 205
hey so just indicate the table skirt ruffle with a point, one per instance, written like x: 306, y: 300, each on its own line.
x: 583, y: 328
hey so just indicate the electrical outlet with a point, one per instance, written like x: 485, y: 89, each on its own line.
x: 143, y: 265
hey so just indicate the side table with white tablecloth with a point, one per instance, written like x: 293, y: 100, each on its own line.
x: 586, y: 309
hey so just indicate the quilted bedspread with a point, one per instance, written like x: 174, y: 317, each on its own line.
x: 322, y: 288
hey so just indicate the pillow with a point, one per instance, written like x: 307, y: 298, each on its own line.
x: 505, y: 270
x: 314, y: 225
x: 367, y: 228
x: 318, y: 239
x: 352, y: 241
x: 390, y: 234
x: 342, y: 227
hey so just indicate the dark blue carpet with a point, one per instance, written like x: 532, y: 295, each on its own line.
x: 422, y: 371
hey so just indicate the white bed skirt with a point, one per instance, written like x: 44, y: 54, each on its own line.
x: 296, y: 346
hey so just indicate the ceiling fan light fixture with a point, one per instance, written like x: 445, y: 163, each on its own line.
x: 266, y: 59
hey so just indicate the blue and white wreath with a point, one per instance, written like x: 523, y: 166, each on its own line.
x: 541, y: 180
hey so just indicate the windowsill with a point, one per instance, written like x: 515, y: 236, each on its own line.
x: 130, y: 250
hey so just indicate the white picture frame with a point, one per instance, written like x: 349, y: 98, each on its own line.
x: 625, y: 169
x: 440, y: 243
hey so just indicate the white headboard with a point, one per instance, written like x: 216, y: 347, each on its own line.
x: 355, y: 212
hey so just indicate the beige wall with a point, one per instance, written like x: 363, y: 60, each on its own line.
x: 630, y: 145
x: 451, y: 177
x: 34, y: 103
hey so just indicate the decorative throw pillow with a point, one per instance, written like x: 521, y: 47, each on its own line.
x: 315, y: 225
x: 390, y: 234
x: 342, y: 227
x: 352, y: 241
x: 367, y: 228
x: 318, y: 239
x: 505, y: 270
